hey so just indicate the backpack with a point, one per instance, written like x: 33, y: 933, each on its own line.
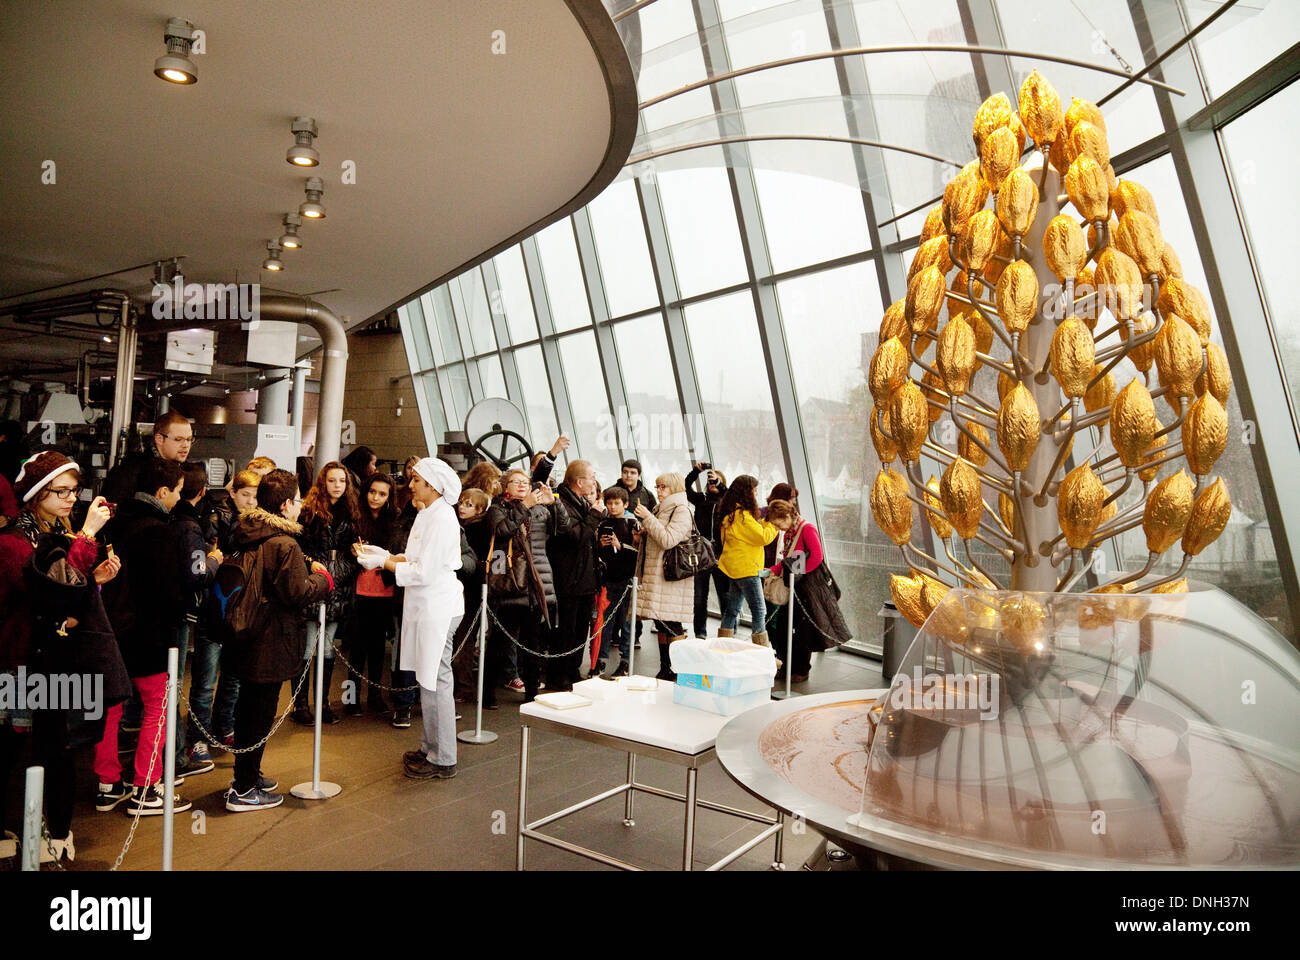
x: 237, y: 597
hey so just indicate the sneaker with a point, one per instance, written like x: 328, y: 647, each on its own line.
x: 430, y: 771
x: 254, y: 799
x: 192, y: 766
x: 328, y: 717
x: 148, y: 801
x: 620, y: 670
x: 516, y: 685
x: 200, y: 752
x: 227, y: 740
x: 110, y: 795
x: 52, y: 851
x: 402, y: 718
x: 264, y: 783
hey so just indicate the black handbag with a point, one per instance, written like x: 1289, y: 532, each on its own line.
x: 693, y: 556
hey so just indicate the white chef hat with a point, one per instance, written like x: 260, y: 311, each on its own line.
x: 440, y: 476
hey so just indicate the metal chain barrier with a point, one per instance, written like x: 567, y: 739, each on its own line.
x: 48, y: 842
x: 214, y: 742
x: 835, y: 641
x: 148, y: 779
x: 551, y: 656
x: 353, y: 671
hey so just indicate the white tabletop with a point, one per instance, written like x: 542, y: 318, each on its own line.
x: 648, y: 717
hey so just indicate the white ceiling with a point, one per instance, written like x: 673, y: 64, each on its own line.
x: 457, y: 149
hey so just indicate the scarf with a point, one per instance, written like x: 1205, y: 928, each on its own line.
x: 30, y: 527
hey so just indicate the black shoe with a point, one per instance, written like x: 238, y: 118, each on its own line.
x: 402, y: 718
x: 353, y: 710
x: 110, y: 795
x: 303, y: 717
x: 329, y: 717
x: 430, y: 771
x: 620, y: 670
x: 192, y: 767
x: 414, y: 758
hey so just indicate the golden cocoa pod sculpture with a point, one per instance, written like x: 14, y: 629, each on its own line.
x: 1113, y: 300
x: 1177, y: 586
x: 1210, y: 512
x: 1072, y: 356
x: 1017, y: 203
x: 1078, y: 505
x: 891, y: 507
x: 888, y: 370
x: 956, y: 356
x: 1017, y: 293
x: 1018, y: 427
x: 1040, y: 108
x: 959, y: 492
x: 1167, y: 510
x: 886, y: 449
x: 1132, y: 423
x: 1205, y: 433
x: 1064, y: 248
x: 908, y: 420
x: 938, y: 522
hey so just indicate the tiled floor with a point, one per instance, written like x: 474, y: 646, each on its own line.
x: 382, y: 820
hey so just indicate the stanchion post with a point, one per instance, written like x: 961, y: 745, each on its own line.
x: 169, y: 759
x: 631, y: 646
x: 33, y: 803
x: 479, y: 735
x: 317, y: 790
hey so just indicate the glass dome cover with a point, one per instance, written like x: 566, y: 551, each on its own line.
x: 1084, y: 730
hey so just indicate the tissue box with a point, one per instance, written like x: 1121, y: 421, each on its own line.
x: 725, y: 686
x: 721, y: 657
x: 716, y: 703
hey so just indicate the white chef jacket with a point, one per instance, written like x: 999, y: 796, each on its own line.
x: 434, y: 597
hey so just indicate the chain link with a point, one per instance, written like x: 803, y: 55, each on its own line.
x: 553, y: 656
x: 48, y: 842
x: 836, y: 641
x: 279, y: 721
x: 338, y: 652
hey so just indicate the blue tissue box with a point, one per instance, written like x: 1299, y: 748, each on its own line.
x: 716, y: 703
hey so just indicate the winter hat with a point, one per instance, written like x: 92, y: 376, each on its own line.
x: 38, y: 471
x: 440, y: 476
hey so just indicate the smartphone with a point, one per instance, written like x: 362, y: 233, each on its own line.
x: 112, y: 508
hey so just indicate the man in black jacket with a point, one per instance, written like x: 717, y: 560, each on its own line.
x: 572, y: 552
x: 706, y: 521
x: 636, y: 490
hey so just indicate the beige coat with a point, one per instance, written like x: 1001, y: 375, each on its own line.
x: 657, y: 598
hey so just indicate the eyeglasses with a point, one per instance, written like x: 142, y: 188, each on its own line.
x: 188, y: 441
x: 64, y: 493
x: 297, y: 499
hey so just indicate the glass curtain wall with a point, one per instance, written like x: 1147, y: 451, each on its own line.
x: 721, y: 300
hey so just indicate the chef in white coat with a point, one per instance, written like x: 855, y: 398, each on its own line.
x: 432, y: 608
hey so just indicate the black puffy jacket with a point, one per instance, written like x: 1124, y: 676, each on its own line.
x: 573, y: 546
x: 322, y: 539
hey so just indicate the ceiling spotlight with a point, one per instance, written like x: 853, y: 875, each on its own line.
x: 176, y: 66
x: 272, y: 261
x: 302, y: 153
x: 290, y: 239
x: 311, y: 208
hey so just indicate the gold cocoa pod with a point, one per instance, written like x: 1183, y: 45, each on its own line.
x: 1083, y: 110
x: 1073, y: 356
x: 890, y: 506
x: 1177, y: 586
x: 938, y: 522
x: 1178, y: 356
x: 906, y: 594
x: 894, y: 322
x: 998, y: 156
x: 1141, y: 356
x: 1167, y: 510
x: 936, y: 396
x: 1154, y: 453
x: 1023, y: 623
x: 1132, y: 423
x: 980, y: 327
x: 888, y: 370
x: 1064, y: 248
x: 1130, y: 195
x: 958, y: 286
x: 924, y: 298
x: 1210, y: 513
x: 994, y: 113
x: 1101, y: 394
x: 932, y: 253
x: 1078, y: 505
x: 1040, y: 109
x: 1118, y: 283
x: 1205, y: 433
x: 886, y: 449
x: 965, y: 194
x: 1017, y: 203
x: 1180, y: 297
x: 1217, y: 378
x: 1059, y: 154
x: 959, y: 492
x: 956, y: 356
x: 908, y: 420
x: 1005, y: 385
x: 968, y: 449
x: 1085, y: 184
x: 945, y: 623
x: 1170, y: 265
x: 1138, y: 235
x: 1017, y: 296
x: 979, y: 239
x: 1018, y: 427
x: 933, y: 225
x: 1007, y: 511
x: 1089, y: 140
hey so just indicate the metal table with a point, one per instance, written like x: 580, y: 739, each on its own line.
x: 647, y: 725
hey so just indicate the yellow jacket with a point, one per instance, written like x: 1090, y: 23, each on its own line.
x: 743, y: 538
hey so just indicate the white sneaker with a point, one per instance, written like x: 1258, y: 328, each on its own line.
x: 149, y: 802
x: 52, y: 851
